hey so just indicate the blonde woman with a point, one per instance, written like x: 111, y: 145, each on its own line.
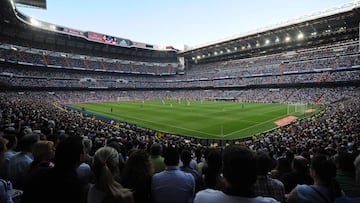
x: 106, y: 170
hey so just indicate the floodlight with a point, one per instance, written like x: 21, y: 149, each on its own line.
x: 287, y: 39
x: 300, y: 35
x: 267, y: 41
x: 34, y: 22
x: 52, y: 27
x: 277, y: 40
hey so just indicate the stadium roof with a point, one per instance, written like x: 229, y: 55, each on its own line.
x: 339, y: 23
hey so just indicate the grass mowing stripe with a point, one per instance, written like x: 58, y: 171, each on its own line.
x: 204, y: 119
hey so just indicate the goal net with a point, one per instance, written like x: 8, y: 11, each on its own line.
x: 296, y: 108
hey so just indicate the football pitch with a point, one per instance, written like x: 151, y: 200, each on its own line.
x: 201, y: 119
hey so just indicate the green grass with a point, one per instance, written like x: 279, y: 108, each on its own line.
x: 202, y: 119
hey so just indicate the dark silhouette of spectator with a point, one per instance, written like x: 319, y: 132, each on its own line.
x: 265, y: 185
x: 325, y: 188
x: 137, y: 176
x: 185, y: 157
x: 5, y: 186
x: 11, y: 146
x: 60, y: 183
x: 156, y: 159
x: 44, y: 153
x: 87, y: 149
x: 345, y: 175
x: 19, y: 164
x: 172, y: 184
x: 357, y: 168
x: 212, y: 171
x: 298, y: 175
x: 106, y: 170
x: 283, y: 165
x: 239, y: 169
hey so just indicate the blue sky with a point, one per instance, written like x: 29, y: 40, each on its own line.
x: 175, y: 22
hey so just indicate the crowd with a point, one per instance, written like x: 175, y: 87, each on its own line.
x: 128, y: 163
x: 330, y: 63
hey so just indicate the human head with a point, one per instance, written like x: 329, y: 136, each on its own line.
x: 300, y: 164
x: 87, y: 145
x: 106, y: 157
x: 323, y: 168
x: 12, y: 141
x: 43, y: 150
x: 138, y: 164
x: 185, y: 157
x: 27, y: 142
x: 239, y: 167
x: 171, y: 157
x: 283, y: 165
x: 263, y: 163
x: 155, y: 149
x: 69, y: 153
x: 345, y: 162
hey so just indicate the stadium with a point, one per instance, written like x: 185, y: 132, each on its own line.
x: 290, y: 87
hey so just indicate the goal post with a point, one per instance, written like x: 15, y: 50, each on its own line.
x: 296, y: 108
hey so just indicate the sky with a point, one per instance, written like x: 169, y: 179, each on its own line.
x: 175, y: 22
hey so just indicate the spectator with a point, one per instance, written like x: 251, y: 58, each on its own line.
x: 44, y: 153
x: 265, y: 185
x: 172, y: 184
x: 19, y: 165
x: 212, y: 171
x: 137, y: 176
x: 283, y: 165
x: 200, y: 160
x: 186, y: 158
x: 106, y: 170
x: 357, y: 168
x: 239, y: 168
x: 10, y: 152
x: 60, y: 183
x: 156, y: 159
x: 325, y: 188
x: 5, y: 186
x: 87, y: 149
x: 298, y: 175
x: 345, y: 175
